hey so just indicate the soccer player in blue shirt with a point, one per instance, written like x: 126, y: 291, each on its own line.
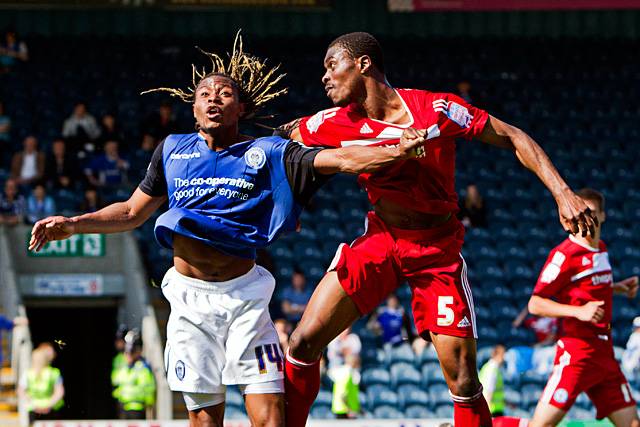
x: 229, y: 194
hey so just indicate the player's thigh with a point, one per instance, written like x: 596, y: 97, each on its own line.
x: 625, y: 417
x: 457, y: 357
x: 209, y: 416
x: 265, y: 409
x: 329, y: 312
x: 612, y: 393
x: 546, y: 415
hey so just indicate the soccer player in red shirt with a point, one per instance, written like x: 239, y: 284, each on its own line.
x: 577, y: 275
x: 412, y: 233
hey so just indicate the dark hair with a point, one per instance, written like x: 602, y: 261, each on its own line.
x: 360, y: 44
x: 591, y: 194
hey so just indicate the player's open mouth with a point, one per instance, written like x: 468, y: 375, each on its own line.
x: 328, y: 89
x: 213, y: 113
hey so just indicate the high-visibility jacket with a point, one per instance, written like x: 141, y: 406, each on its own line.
x: 119, y: 362
x: 346, y: 393
x: 40, y: 388
x: 491, y: 379
x: 136, y: 386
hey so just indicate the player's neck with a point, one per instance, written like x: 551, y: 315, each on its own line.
x: 382, y: 102
x: 593, y: 242
x: 220, y: 138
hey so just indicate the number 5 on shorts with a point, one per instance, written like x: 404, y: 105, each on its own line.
x: 445, y: 313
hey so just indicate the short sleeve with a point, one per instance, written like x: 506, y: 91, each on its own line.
x: 154, y: 183
x: 554, y: 277
x: 458, y: 118
x: 321, y: 129
x: 302, y: 175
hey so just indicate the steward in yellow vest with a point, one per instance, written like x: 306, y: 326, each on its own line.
x: 136, y: 389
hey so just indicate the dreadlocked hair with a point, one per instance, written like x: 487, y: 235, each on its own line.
x: 359, y: 44
x: 252, y: 77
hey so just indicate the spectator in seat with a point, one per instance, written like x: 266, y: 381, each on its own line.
x: 108, y: 169
x: 92, y: 201
x: 545, y: 328
x: 12, y: 204
x: 109, y: 130
x: 346, y: 388
x: 347, y: 343
x: 392, y: 323
x: 142, y: 157
x: 39, y: 204
x: 464, y: 91
x: 161, y: 123
x: 5, y: 127
x: 631, y: 354
x: 472, y: 211
x: 12, y: 50
x: 27, y: 166
x: 81, y: 128
x: 41, y: 387
x: 61, y: 170
x: 295, y: 297
x: 492, y: 380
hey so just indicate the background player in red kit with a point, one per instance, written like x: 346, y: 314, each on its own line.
x: 413, y: 233
x: 577, y: 275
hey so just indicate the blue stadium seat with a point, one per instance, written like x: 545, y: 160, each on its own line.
x: 387, y: 412
x: 414, y: 397
x: 444, y: 411
x: 418, y: 412
x: 401, y: 353
x: 404, y: 373
x: 321, y: 412
x: 386, y: 397
x: 512, y: 397
x: 376, y: 376
x: 432, y: 374
x: 324, y: 398
x: 439, y: 394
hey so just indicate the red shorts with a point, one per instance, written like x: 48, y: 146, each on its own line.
x: 587, y: 366
x: 384, y: 257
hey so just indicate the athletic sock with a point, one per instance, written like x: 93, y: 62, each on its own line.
x: 510, y: 422
x: 301, y: 385
x: 471, y: 411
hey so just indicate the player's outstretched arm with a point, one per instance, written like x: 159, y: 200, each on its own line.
x: 290, y: 130
x: 121, y: 216
x: 545, y: 307
x: 359, y: 159
x: 575, y: 215
x: 628, y: 287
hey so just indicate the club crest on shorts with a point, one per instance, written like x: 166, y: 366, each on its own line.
x: 255, y: 157
x: 561, y: 395
x: 180, y: 370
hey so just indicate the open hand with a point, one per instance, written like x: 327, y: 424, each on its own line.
x: 628, y: 287
x: 48, y: 229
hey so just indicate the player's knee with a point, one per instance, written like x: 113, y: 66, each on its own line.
x: 465, y: 386
x: 268, y: 415
x: 202, y: 418
x: 302, y: 347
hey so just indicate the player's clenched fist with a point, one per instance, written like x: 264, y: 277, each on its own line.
x: 48, y: 229
x: 591, y: 312
x: 576, y: 217
x: 412, y: 141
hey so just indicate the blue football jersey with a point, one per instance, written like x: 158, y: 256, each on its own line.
x: 236, y: 200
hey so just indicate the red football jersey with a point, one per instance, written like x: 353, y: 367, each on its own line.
x: 576, y: 274
x: 425, y: 184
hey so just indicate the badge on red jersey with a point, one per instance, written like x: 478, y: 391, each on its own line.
x: 454, y: 111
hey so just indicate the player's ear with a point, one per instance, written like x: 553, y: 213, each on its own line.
x: 365, y: 63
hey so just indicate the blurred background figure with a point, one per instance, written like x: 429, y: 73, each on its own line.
x: 392, y: 323
x: 631, y: 354
x: 39, y: 204
x: 119, y: 362
x: 295, y: 297
x: 80, y: 130
x: 12, y: 50
x: 27, y: 166
x: 12, y: 204
x: 544, y: 328
x: 492, y: 380
x: 464, y: 91
x: 108, y: 169
x: 160, y: 123
x: 5, y: 128
x: 92, y: 201
x: 345, y: 344
x: 109, y: 129
x: 136, y: 389
x: 61, y: 168
x: 346, y: 388
x: 42, y: 388
x: 472, y: 211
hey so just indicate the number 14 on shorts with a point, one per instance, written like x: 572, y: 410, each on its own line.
x: 273, y: 355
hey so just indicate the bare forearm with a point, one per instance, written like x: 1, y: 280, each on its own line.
x: 548, y: 308
x: 356, y: 159
x: 111, y: 219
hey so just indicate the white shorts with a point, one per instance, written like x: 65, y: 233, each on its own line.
x: 220, y: 333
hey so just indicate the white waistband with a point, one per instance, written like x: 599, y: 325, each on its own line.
x: 217, y: 287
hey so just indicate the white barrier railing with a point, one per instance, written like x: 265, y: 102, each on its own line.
x: 246, y: 423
